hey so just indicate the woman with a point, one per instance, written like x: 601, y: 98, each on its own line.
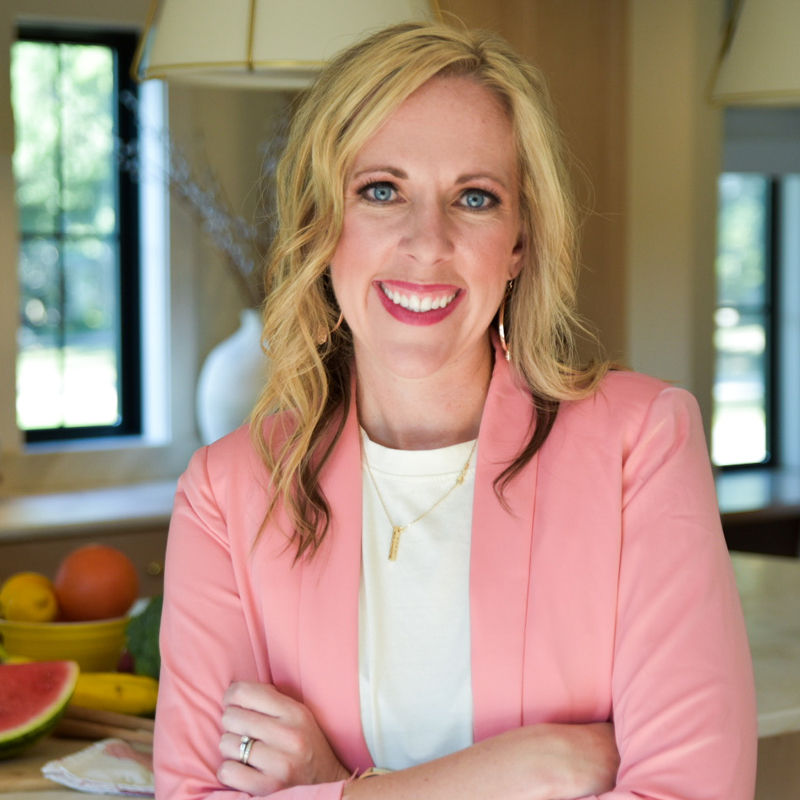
x: 454, y: 553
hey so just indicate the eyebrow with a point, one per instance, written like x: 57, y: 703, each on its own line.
x: 482, y: 175
x: 398, y: 173
x: 402, y: 175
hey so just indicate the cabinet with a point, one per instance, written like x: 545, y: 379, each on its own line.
x: 761, y: 510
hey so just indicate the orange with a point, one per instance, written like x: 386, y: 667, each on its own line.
x: 96, y: 582
x: 28, y: 597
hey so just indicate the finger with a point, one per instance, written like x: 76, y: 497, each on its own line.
x: 274, y: 733
x: 245, y: 722
x: 261, y: 755
x: 230, y: 747
x: 258, y: 697
x: 248, y: 779
x: 277, y: 769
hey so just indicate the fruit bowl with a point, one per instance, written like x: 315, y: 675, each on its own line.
x: 96, y: 645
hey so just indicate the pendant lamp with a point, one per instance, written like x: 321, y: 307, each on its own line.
x: 759, y: 63
x: 268, y: 44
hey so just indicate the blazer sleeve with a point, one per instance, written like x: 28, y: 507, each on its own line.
x: 682, y: 686
x: 205, y: 645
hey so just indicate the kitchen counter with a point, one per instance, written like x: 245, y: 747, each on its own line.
x: 21, y: 778
x: 769, y: 587
x: 58, y: 515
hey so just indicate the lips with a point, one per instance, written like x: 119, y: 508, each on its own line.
x: 418, y: 304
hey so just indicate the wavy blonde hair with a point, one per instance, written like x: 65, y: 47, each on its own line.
x: 353, y: 96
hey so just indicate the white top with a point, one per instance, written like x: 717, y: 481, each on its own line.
x: 414, y: 635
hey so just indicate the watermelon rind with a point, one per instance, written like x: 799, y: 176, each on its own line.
x: 54, y: 678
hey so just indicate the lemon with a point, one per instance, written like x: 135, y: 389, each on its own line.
x: 23, y: 579
x: 28, y: 597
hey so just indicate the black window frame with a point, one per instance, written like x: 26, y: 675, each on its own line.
x: 123, y: 43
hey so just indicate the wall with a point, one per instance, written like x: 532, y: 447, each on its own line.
x: 674, y: 157
x: 223, y: 130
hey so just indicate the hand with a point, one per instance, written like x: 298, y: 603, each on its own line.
x: 589, y: 758
x: 290, y: 749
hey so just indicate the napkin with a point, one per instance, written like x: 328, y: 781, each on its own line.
x: 110, y: 766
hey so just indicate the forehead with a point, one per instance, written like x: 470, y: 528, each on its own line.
x: 446, y: 117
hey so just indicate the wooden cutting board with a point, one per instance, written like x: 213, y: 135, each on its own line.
x: 24, y: 773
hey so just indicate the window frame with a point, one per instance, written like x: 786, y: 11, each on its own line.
x: 773, y: 344
x: 123, y: 43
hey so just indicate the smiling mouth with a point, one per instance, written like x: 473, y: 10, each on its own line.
x: 418, y: 303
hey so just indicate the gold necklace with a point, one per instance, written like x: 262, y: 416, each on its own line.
x: 398, y: 529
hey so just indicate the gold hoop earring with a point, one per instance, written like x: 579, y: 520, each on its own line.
x: 501, y: 321
x: 322, y: 337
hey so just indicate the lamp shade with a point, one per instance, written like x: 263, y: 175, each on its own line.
x: 278, y: 44
x: 760, y: 59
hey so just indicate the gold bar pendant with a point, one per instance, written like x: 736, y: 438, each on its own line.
x: 396, y: 531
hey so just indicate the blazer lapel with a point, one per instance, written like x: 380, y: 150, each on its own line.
x: 500, y: 557
x: 328, y: 634
x: 499, y: 577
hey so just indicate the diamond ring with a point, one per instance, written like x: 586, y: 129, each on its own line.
x: 245, y: 746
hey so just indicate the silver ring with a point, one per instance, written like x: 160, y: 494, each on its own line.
x: 245, y: 746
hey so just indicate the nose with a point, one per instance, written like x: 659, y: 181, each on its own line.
x: 428, y: 238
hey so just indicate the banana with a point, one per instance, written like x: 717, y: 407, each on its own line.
x: 116, y: 691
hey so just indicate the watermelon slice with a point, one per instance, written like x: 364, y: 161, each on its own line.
x: 33, y: 697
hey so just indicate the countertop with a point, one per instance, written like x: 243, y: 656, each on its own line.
x: 769, y: 587
x: 121, y: 507
x: 24, y: 772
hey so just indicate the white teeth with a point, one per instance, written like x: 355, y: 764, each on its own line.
x: 414, y: 303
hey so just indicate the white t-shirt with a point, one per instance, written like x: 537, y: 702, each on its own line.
x: 414, y: 632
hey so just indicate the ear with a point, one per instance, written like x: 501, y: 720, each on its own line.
x: 515, y: 267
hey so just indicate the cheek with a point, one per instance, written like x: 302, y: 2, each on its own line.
x: 347, y: 270
x: 364, y: 246
x: 346, y: 256
x: 496, y: 256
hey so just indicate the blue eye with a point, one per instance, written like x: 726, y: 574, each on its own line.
x: 379, y: 192
x: 479, y: 199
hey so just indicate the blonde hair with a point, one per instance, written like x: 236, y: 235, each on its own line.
x: 351, y: 99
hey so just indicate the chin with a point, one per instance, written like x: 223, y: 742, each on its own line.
x: 417, y: 361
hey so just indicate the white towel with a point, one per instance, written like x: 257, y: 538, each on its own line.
x: 110, y: 766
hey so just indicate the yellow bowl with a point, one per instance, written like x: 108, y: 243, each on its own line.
x: 96, y: 645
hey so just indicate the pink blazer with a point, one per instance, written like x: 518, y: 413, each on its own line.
x: 606, y: 593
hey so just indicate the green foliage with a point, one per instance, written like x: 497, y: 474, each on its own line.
x: 65, y: 166
x: 143, y: 638
x: 741, y: 268
x: 64, y: 161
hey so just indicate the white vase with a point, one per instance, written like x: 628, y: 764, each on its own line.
x: 231, y: 379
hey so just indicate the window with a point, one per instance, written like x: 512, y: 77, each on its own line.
x: 78, y: 363
x: 757, y: 387
x: 744, y: 341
